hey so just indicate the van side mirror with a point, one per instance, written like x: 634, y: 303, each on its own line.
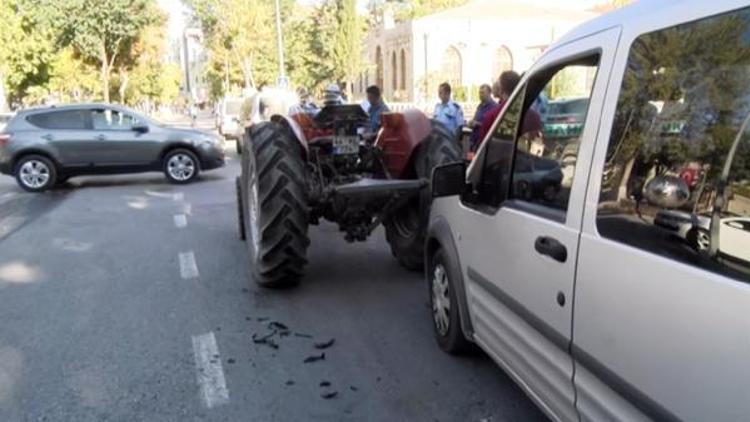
x: 449, y: 180
x: 140, y: 128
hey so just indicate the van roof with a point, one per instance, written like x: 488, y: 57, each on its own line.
x: 653, y: 13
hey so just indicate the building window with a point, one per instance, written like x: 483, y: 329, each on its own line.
x: 379, y: 67
x: 394, y: 72
x: 452, y: 66
x: 501, y: 61
x: 403, y: 70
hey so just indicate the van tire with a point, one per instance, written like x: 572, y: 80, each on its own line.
x: 450, y: 338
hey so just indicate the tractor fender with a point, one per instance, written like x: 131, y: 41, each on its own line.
x: 399, y: 138
x: 294, y: 127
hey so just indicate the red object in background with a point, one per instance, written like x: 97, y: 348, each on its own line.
x: 690, y: 176
x: 4, y: 139
x: 399, y: 137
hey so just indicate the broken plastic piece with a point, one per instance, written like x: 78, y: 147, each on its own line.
x: 315, y: 358
x: 325, y: 344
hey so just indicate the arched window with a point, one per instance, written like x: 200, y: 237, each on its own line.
x: 394, y: 72
x: 501, y: 61
x: 379, y: 67
x: 452, y: 68
x: 402, y: 86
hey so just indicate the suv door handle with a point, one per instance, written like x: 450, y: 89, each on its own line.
x: 546, y: 245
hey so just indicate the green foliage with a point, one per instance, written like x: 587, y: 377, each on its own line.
x: 26, y: 46
x: 104, y: 33
x: 404, y: 10
x: 240, y: 34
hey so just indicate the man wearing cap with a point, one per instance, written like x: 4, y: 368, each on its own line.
x: 332, y: 95
x: 447, y: 111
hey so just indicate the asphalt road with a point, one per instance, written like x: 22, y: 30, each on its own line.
x: 124, y: 298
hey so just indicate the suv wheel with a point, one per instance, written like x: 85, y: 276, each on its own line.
x: 35, y: 173
x: 446, y: 319
x: 181, y: 166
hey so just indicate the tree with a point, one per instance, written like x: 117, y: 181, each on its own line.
x: 103, y: 33
x: 346, y: 50
x: 404, y: 10
x: 240, y: 35
x: 26, y: 47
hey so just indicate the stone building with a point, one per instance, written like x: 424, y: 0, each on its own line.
x: 466, y: 46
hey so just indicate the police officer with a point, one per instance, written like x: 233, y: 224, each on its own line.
x: 448, y: 111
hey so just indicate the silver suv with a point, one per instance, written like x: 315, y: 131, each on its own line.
x: 583, y: 297
x: 45, y: 146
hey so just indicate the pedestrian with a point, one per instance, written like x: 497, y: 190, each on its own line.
x: 447, y: 111
x: 332, y: 95
x: 486, y: 103
x: 376, y: 109
x: 532, y: 122
x: 305, y: 104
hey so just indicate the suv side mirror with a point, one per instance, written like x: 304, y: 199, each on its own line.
x: 449, y: 180
x: 140, y: 128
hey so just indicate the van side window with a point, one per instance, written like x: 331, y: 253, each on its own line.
x: 490, y: 181
x: 676, y: 178
x: 532, y: 150
x: 547, y: 148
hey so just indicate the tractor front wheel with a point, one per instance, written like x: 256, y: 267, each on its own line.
x: 405, y: 230
x: 275, y: 206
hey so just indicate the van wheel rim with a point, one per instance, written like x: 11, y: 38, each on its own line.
x: 441, y: 304
x: 181, y: 167
x: 34, y: 174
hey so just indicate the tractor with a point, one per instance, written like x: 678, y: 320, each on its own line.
x: 300, y: 168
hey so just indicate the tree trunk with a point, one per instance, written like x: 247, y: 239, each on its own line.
x: 105, y: 72
x: 622, y: 190
x: 124, y: 80
x: 3, y: 99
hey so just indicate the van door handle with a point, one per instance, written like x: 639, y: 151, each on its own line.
x: 48, y: 137
x: 546, y: 245
x: 101, y: 138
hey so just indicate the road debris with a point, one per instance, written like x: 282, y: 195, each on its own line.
x: 329, y: 394
x: 290, y: 382
x: 325, y: 344
x: 353, y: 388
x: 325, y: 384
x: 303, y: 335
x: 315, y: 358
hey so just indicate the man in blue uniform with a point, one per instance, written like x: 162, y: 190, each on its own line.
x: 448, y: 111
x: 376, y: 109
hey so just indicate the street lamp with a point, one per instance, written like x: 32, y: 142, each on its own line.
x: 281, y: 82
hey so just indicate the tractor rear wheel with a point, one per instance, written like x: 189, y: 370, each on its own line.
x: 275, y: 206
x: 405, y: 230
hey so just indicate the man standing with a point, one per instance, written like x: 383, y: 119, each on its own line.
x: 376, y: 109
x: 486, y: 103
x: 532, y: 122
x: 447, y: 111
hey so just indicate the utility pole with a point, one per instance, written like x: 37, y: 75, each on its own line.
x: 281, y: 81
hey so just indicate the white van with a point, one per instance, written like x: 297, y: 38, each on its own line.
x: 229, y: 117
x: 599, y: 313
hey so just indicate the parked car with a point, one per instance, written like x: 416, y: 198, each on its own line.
x: 695, y: 229
x: 45, y: 146
x: 583, y: 301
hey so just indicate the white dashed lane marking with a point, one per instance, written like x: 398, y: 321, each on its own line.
x: 180, y: 221
x: 188, y: 267
x: 211, y: 380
